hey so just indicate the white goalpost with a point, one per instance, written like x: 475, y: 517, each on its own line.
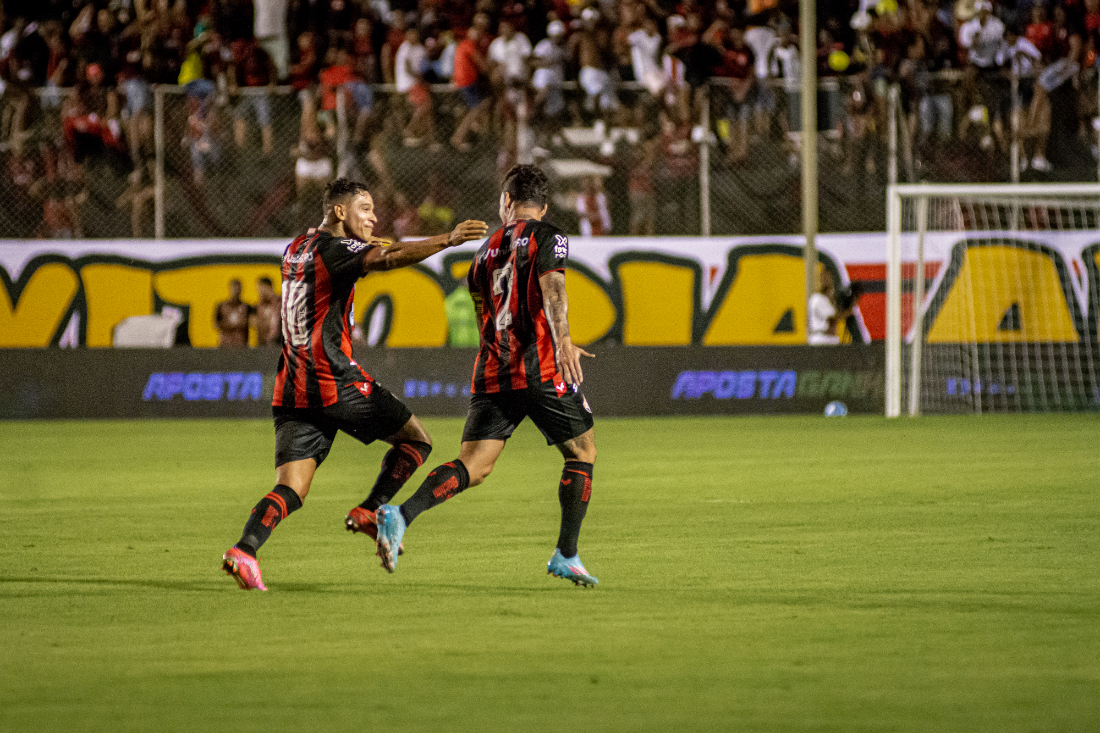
x: 991, y: 298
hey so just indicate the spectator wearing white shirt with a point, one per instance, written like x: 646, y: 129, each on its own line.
x: 822, y: 316
x: 763, y: 39
x: 509, y: 54
x: 1022, y: 57
x: 645, y: 49
x: 982, y: 36
x: 408, y: 69
x: 269, y: 28
x: 549, y: 75
x: 595, y: 217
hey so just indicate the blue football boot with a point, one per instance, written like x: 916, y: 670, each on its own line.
x: 570, y: 568
x: 391, y: 528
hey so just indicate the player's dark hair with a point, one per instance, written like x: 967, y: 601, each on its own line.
x: 340, y: 191
x: 266, y: 281
x: 527, y: 184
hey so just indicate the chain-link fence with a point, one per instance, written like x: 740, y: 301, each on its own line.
x: 197, y: 161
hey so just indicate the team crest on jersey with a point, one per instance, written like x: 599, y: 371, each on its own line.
x: 353, y: 245
x: 561, y: 246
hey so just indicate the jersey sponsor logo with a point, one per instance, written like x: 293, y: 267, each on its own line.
x: 298, y: 258
x: 561, y: 246
x: 204, y: 386
x: 354, y: 245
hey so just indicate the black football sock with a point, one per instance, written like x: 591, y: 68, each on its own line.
x: 400, y: 463
x: 272, y: 509
x: 442, y: 483
x: 573, y: 493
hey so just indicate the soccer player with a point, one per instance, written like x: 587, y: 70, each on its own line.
x: 528, y: 366
x: 319, y: 388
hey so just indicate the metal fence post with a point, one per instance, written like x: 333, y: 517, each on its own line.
x: 704, y: 166
x: 892, y: 98
x: 158, y: 175
x: 343, y: 162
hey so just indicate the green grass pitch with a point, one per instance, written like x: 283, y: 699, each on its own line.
x: 756, y: 574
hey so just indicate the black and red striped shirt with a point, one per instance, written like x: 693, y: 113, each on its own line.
x: 319, y: 274
x: 517, y: 349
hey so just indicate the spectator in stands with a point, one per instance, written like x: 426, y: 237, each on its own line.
x: 590, y: 48
x: 982, y: 37
x: 268, y: 28
x: 90, y: 120
x: 645, y: 58
x: 231, y: 318
x: 339, y: 78
x: 823, y: 316
x: 738, y: 68
x: 409, y: 79
x: 642, y: 189
x: 509, y: 54
x: 595, y: 217
x: 252, y: 68
x: 471, y: 77
x: 762, y: 37
x: 677, y: 189
x: 1022, y: 58
x: 548, y: 59
x: 267, y: 317
x: 313, y: 169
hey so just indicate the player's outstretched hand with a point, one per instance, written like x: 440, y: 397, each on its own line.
x: 569, y: 361
x: 467, y: 231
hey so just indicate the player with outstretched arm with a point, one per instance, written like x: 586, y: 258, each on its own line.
x: 319, y: 388
x: 527, y: 366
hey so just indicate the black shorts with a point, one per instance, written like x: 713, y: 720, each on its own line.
x: 495, y: 416
x: 308, y: 432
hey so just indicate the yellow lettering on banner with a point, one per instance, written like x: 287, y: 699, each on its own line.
x: 459, y: 270
x: 765, y: 288
x: 34, y: 319
x: 658, y: 303
x: 114, y: 293
x: 591, y: 312
x: 202, y: 287
x: 1005, y: 294
x: 419, y: 316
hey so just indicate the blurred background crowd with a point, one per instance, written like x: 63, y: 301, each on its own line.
x: 241, y: 110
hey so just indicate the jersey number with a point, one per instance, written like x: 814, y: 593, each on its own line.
x: 503, y: 280
x: 295, y: 314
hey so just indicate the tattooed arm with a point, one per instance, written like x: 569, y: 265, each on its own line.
x: 556, y: 307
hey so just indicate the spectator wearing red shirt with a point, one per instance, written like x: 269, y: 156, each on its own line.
x: 471, y: 75
x: 738, y: 65
x: 1040, y: 31
x: 252, y: 68
x: 342, y: 78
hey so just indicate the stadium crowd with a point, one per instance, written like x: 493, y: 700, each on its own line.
x: 418, y: 85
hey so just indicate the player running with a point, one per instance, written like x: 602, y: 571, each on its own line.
x: 319, y: 388
x: 528, y: 366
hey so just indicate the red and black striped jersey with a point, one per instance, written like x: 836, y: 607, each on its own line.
x: 319, y: 274
x: 517, y: 348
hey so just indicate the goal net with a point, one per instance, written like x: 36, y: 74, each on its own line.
x: 992, y: 298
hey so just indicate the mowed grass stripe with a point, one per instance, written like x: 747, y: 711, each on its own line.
x: 763, y: 574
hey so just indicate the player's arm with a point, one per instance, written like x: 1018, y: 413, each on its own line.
x: 400, y: 254
x: 556, y: 307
